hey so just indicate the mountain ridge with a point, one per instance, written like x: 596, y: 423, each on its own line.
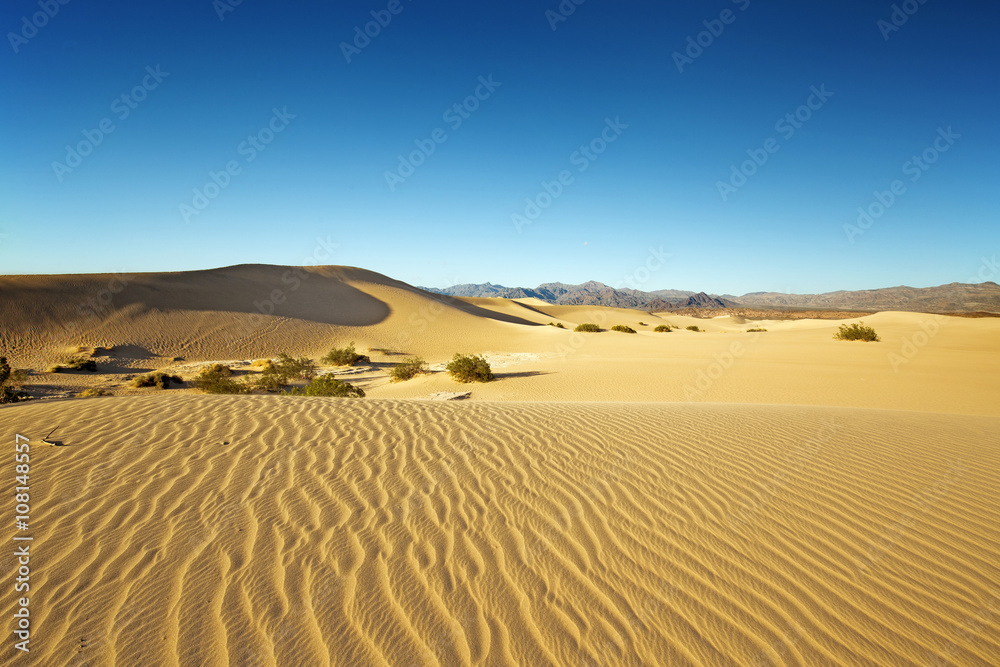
x: 951, y: 297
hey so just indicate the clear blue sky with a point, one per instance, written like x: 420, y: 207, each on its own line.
x: 121, y: 207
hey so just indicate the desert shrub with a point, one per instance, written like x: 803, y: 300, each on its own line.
x: 558, y: 325
x: 588, y: 327
x: 156, y: 379
x: 302, y: 368
x: 693, y: 327
x: 470, y: 368
x: 218, y: 369
x: 277, y: 374
x: 10, y: 384
x: 622, y: 328
x: 856, y: 331
x: 88, y: 393
x: 327, y: 385
x: 217, y: 379
x: 408, y: 369
x: 663, y: 328
x: 270, y: 379
x: 344, y: 356
x: 642, y: 324
x: 76, y: 364
x: 756, y: 330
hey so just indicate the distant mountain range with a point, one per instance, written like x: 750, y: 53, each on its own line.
x: 591, y: 293
x: 950, y: 298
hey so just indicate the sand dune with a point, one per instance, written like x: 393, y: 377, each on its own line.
x: 924, y: 362
x: 198, y: 530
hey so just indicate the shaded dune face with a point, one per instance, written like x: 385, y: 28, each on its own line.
x: 264, y: 530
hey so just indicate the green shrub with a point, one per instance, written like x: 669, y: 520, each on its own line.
x: 345, y: 356
x: 217, y: 379
x: 558, y: 325
x: 622, y: 328
x: 408, y: 369
x: 642, y: 324
x: 76, y: 364
x: 470, y: 368
x: 756, y: 330
x: 88, y: 393
x: 10, y: 383
x: 588, y: 327
x: 327, y: 385
x: 856, y: 331
x: 302, y: 368
x: 156, y: 379
x: 663, y: 328
x: 693, y: 328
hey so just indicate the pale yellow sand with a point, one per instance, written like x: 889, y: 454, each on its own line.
x: 924, y: 362
x: 372, y: 532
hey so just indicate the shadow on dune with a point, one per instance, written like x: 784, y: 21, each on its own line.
x: 249, y: 290
x: 475, y: 310
x: 319, y: 294
x: 523, y: 374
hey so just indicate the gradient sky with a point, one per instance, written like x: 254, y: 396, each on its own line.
x: 656, y: 186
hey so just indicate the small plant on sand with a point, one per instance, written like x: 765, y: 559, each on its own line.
x: 302, y: 368
x: 408, y: 369
x: 276, y: 375
x: 470, y: 368
x: 10, y: 384
x: 856, y: 331
x: 156, y: 379
x: 693, y: 327
x: 756, y: 330
x: 642, y: 324
x: 588, y: 327
x: 622, y: 328
x: 558, y: 325
x: 88, y: 393
x: 217, y: 379
x: 663, y: 328
x: 75, y: 364
x: 327, y: 385
x: 344, y: 356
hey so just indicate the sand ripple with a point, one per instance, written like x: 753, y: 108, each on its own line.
x: 382, y: 532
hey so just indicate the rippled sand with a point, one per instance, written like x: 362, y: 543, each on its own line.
x: 263, y: 530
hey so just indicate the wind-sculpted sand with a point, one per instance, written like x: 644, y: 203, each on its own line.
x: 264, y: 530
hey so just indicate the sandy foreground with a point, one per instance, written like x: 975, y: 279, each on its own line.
x: 409, y: 532
x: 690, y: 498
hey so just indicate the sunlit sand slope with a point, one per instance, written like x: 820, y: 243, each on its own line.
x: 206, y: 530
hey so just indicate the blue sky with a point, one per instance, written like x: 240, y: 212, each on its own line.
x: 650, y: 145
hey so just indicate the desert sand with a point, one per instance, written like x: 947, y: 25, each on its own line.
x: 688, y: 498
